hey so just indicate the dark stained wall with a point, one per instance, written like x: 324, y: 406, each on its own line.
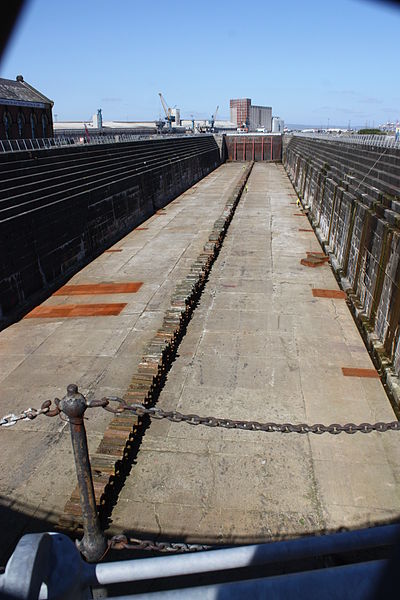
x: 61, y: 208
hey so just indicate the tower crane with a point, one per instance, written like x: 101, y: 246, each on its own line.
x: 214, y: 117
x: 169, y: 117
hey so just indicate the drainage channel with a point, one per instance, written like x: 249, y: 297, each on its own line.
x: 112, y: 461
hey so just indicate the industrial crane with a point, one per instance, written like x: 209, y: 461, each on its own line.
x: 213, y: 118
x: 169, y: 117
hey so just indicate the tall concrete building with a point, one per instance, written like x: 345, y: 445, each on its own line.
x: 245, y: 114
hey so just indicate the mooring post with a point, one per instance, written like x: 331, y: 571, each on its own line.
x: 93, y: 544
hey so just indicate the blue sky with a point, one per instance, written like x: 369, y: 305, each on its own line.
x: 311, y: 61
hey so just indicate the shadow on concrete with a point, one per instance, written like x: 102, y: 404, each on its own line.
x: 17, y: 519
x: 312, y: 576
x: 123, y: 467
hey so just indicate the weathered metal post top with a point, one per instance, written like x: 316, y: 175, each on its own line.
x: 93, y: 544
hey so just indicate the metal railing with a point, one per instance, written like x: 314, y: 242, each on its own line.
x: 22, y: 145
x: 381, y: 141
x: 48, y: 565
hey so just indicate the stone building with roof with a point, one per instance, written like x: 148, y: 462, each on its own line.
x: 25, y: 113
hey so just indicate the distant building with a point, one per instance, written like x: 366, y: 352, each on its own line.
x: 25, y: 113
x: 176, y: 113
x: 249, y: 116
x: 278, y: 125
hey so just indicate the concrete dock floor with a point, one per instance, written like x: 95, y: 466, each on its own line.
x: 260, y: 346
x: 39, y: 357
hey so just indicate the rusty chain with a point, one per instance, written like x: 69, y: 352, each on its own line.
x: 31, y: 413
x: 193, y: 419
x: 28, y: 415
x: 269, y: 427
x: 121, y: 542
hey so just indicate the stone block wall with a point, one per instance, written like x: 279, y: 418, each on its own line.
x: 61, y: 208
x: 353, y: 196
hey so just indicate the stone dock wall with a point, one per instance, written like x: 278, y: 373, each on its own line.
x: 60, y: 208
x: 352, y: 193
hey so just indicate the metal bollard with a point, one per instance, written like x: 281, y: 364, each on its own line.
x: 93, y: 544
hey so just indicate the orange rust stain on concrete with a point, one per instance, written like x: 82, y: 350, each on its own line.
x: 312, y: 262
x: 318, y: 293
x: 76, y: 310
x: 355, y: 372
x: 141, y: 228
x: 307, y: 230
x: 114, y: 250
x: 315, y: 259
x: 99, y: 288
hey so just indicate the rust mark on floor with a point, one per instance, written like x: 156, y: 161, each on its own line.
x: 141, y: 228
x: 114, y: 250
x: 355, y: 372
x: 307, y: 230
x: 314, y: 259
x: 338, y: 294
x: 99, y: 288
x: 312, y: 262
x: 76, y: 310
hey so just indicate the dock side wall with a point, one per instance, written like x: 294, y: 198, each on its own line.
x: 352, y: 193
x: 61, y: 208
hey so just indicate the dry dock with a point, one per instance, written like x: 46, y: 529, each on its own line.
x: 271, y: 339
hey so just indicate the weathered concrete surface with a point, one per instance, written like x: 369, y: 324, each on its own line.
x: 261, y: 347
x: 40, y: 357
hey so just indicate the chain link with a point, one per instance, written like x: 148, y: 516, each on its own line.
x: 121, y: 542
x: 193, y: 419
x: 269, y: 427
x: 28, y: 415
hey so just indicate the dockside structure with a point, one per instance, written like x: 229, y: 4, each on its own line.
x: 25, y: 113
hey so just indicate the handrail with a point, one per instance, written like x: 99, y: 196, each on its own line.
x: 22, y: 145
x: 382, y: 141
